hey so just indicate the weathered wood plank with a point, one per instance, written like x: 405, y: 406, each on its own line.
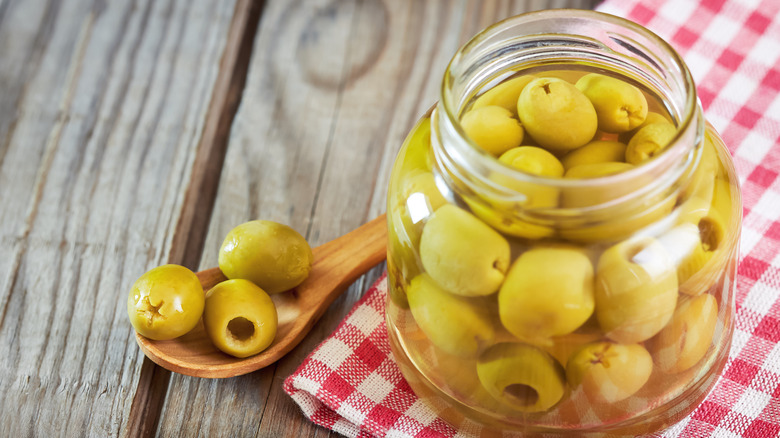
x: 101, y: 108
x: 333, y: 88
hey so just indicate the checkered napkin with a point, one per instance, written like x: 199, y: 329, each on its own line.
x: 351, y: 384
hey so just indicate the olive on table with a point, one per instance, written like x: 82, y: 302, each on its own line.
x: 240, y: 318
x: 166, y: 302
x: 271, y: 255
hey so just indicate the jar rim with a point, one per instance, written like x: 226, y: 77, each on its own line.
x: 672, y: 154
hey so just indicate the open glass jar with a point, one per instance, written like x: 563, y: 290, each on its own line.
x: 585, y: 302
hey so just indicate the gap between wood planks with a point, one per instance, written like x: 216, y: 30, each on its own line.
x: 194, y: 219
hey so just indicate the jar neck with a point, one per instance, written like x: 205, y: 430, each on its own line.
x: 565, y: 39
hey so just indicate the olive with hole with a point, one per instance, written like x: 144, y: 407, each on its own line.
x: 521, y: 376
x: 239, y: 318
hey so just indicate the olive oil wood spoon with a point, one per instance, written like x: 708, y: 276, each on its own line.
x: 336, y: 265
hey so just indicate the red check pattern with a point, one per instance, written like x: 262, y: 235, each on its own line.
x: 351, y: 384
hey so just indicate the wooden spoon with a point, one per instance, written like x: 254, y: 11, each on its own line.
x: 337, y: 264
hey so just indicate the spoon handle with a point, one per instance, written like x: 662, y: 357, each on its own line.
x: 338, y: 263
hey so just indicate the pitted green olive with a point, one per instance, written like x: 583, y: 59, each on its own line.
x: 458, y: 325
x: 649, y: 142
x: 271, y: 255
x: 240, y: 318
x: 521, y: 376
x: 636, y: 290
x: 493, y: 128
x: 685, y: 341
x: 608, y: 372
x: 620, y: 106
x: 652, y: 117
x: 533, y: 160
x: 166, y: 302
x: 596, y: 170
x: 462, y: 254
x: 595, y: 152
x: 556, y: 114
x: 504, y: 94
x: 565, y: 274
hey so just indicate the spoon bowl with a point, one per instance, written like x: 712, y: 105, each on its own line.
x: 336, y: 265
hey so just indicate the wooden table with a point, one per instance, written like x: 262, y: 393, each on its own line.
x: 138, y: 133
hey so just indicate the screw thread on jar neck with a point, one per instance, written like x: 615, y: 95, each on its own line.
x: 556, y: 39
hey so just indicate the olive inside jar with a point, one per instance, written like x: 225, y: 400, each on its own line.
x: 563, y: 233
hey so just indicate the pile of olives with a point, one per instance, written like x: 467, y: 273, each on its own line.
x: 258, y: 258
x: 519, y: 317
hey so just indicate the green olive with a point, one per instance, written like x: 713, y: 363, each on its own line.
x: 565, y: 274
x: 636, y: 290
x: 608, y: 372
x: 462, y: 254
x: 165, y: 303
x: 584, y: 196
x: 652, y: 117
x: 521, y: 376
x: 595, y: 152
x: 649, y: 142
x: 556, y: 114
x: 492, y: 128
x: 240, y: 318
x: 620, y: 106
x: 533, y: 160
x: 273, y: 256
x: 458, y: 325
x: 685, y: 341
x: 504, y: 94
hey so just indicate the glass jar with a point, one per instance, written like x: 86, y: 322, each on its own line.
x: 534, y: 303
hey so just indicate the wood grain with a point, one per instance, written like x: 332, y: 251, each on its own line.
x: 101, y: 107
x: 333, y: 88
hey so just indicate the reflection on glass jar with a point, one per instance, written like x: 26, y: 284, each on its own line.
x: 563, y: 234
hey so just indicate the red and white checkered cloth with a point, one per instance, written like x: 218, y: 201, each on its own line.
x: 351, y: 384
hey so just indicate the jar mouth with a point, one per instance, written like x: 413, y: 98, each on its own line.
x: 607, y: 40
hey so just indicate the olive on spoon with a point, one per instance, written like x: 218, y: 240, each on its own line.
x: 337, y: 264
